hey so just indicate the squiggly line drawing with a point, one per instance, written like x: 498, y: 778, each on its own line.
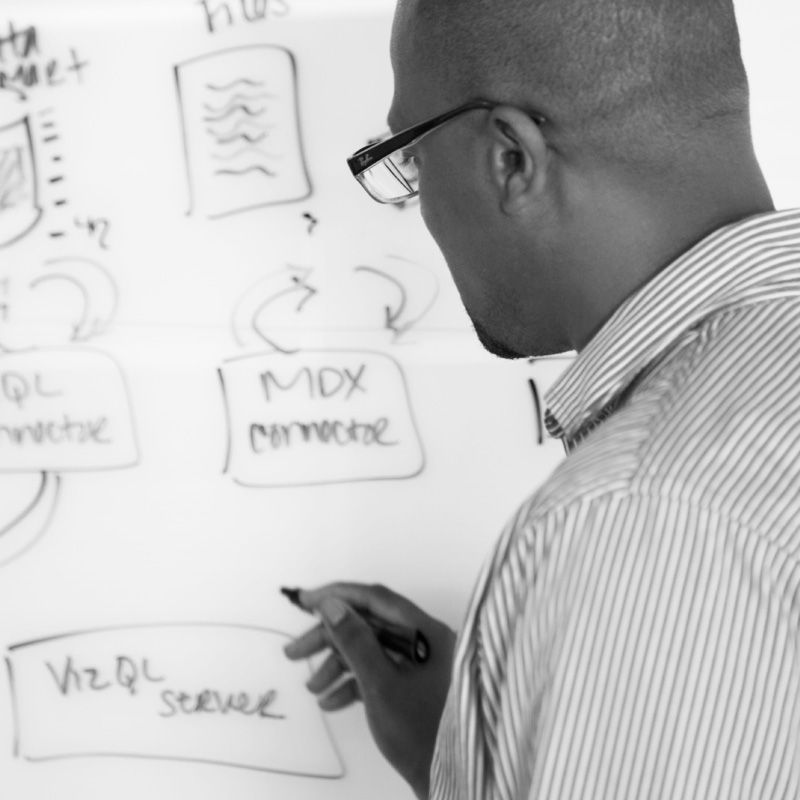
x: 236, y: 97
x: 223, y: 137
x: 233, y: 109
x: 243, y: 171
x: 251, y: 139
x: 234, y: 116
x: 233, y: 83
x: 239, y: 124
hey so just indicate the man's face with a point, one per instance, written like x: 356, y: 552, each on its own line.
x: 491, y: 269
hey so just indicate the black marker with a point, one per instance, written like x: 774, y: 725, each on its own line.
x: 413, y: 646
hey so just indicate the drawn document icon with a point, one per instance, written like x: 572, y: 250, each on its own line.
x: 241, y: 130
x: 19, y: 209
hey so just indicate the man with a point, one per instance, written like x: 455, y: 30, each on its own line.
x: 636, y: 632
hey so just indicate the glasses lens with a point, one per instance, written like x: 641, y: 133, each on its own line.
x: 392, y: 180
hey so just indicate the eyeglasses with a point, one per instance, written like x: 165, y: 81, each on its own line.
x: 387, y: 172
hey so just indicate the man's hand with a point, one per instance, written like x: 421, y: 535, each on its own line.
x: 403, y: 699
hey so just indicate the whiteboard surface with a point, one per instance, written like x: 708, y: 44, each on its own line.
x: 225, y: 370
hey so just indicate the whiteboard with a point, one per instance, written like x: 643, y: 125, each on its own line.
x: 223, y: 369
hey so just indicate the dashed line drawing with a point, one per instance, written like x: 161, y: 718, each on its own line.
x: 19, y: 186
x: 50, y: 137
x: 241, y: 130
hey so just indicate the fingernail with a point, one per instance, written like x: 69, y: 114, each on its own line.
x: 333, y: 610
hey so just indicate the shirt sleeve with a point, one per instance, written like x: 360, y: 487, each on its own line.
x: 627, y: 647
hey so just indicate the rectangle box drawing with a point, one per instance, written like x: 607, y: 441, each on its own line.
x: 317, y: 417
x: 241, y: 130
x: 64, y: 409
x: 219, y: 694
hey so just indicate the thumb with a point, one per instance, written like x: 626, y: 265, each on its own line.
x: 354, y: 640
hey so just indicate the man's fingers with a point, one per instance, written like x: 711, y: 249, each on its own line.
x: 331, y: 670
x: 375, y: 598
x: 355, y: 642
x: 308, y: 644
x: 341, y: 697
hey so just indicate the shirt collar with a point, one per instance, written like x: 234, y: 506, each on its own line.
x: 750, y: 261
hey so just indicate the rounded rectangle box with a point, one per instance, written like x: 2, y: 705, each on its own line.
x: 64, y: 408
x: 221, y: 694
x: 317, y: 417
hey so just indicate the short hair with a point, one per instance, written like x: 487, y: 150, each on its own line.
x: 630, y: 77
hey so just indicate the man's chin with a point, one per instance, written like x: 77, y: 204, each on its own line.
x: 494, y: 345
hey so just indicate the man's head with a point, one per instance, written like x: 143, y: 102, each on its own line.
x: 645, y: 146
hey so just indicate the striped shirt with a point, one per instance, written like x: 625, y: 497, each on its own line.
x: 636, y: 632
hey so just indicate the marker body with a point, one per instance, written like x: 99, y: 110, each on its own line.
x: 410, y: 644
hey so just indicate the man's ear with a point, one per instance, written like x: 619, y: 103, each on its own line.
x: 518, y: 157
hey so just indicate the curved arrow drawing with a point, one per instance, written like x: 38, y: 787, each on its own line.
x: 98, y: 288
x: 247, y: 314
x: 418, y: 289
x: 22, y: 532
x: 36, y: 282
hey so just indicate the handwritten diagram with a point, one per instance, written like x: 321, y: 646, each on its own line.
x: 33, y: 182
x: 318, y: 417
x: 19, y: 189
x: 63, y: 409
x: 30, y: 161
x: 58, y: 301
x: 25, y: 69
x: 63, y: 406
x: 219, y: 14
x: 414, y: 290
x: 388, y: 293
x: 290, y: 287
x: 241, y: 130
x: 299, y: 415
x: 27, y: 519
x: 220, y: 694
